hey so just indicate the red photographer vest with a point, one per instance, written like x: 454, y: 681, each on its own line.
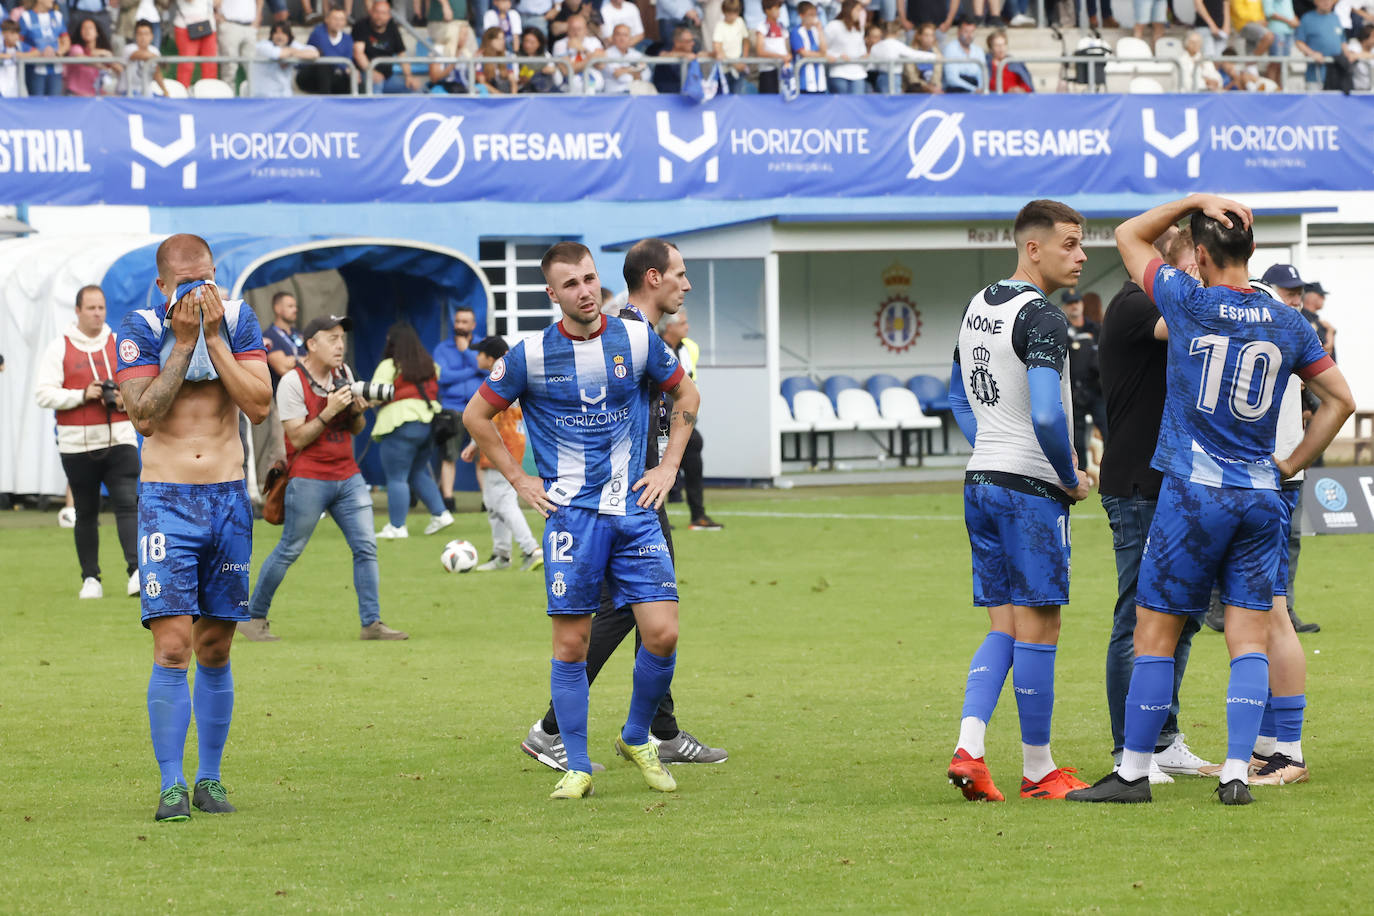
x: 329, y: 457
x: 79, y: 369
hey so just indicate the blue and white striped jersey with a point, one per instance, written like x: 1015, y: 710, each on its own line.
x: 586, y: 406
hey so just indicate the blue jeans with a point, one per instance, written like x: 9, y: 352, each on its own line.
x: 1130, y: 518
x: 40, y: 83
x: 351, y: 505
x: 840, y: 86
x: 406, y: 452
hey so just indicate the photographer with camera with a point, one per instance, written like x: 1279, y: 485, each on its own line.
x: 320, y: 415
x: 404, y: 433
x: 459, y: 377
x: 76, y: 379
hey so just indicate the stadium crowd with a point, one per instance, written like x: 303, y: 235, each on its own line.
x: 624, y: 47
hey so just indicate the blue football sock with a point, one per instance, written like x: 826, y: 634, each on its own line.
x: 1268, y: 728
x: 568, y: 687
x: 169, y: 717
x: 1245, y: 695
x: 1288, y: 714
x: 986, y: 675
x: 652, y: 678
x: 1032, y: 677
x: 214, y: 705
x: 1147, y: 701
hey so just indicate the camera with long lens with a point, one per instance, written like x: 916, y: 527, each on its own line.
x: 373, y: 391
x: 109, y: 394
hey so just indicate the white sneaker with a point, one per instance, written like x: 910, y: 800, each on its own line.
x: 1022, y: 21
x: 66, y: 517
x: 438, y: 523
x: 91, y: 589
x: 1178, y: 758
x: 1157, y: 776
x: 390, y: 532
x: 134, y: 584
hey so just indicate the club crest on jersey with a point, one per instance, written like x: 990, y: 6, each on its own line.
x: 620, y: 369
x: 559, y: 588
x: 152, y: 586
x: 498, y: 370
x: 128, y: 350
x: 898, y: 322
x: 980, y: 380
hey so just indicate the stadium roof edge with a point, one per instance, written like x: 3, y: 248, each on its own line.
x: 935, y: 216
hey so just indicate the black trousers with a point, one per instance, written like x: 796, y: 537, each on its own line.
x: 117, y: 468
x: 691, y: 476
x: 322, y: 79
x: 610, y: 626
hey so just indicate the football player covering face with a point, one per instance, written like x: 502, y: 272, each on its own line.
x: 1051, y: 258
x: 577, y: 290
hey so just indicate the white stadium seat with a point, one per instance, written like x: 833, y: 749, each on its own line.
x: 1169, y: 46
x: 1145, y: 85
x: 813, y: 408
x: 211, y: 89
x: 854, y: 405
x: 174, y: 90
x: 786, y: 422
x: 901, y: 407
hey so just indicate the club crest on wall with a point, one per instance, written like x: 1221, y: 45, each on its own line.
x: 899, y: 321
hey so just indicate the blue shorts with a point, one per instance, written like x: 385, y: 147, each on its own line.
x: 583, y: 548
x: 1288, y: 497
x: 195, y: 542
x: 1020, y: 547
x: 1203, y: 535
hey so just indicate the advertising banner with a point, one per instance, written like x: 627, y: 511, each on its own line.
x: 1339, y: 500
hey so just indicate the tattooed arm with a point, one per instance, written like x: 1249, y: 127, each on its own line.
x: 147, y: 400
x: 681, y: 421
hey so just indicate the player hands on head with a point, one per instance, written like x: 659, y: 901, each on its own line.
x: 584, y: 385
x: 1220, y: 518
x: 1010, y: 391
x: 185, y: 371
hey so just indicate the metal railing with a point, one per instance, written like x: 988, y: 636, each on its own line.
x: 1096, y: 67
x: 470, y: 65
x: 168, y: 64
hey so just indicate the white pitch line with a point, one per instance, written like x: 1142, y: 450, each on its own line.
x: 861, y: 517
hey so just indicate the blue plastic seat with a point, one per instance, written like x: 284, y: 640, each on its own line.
x: 879, y: 383
x: 835, y: 384
x: 790, y: 387
x: 931, y: 392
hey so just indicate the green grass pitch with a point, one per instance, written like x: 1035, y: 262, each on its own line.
x: 825, y: 638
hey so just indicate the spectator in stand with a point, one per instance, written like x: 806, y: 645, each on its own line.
x: 403, y: 431
x: 962, y: 77
x: 494, y: 79
x: 379, y: 36
x: 321, y: 417
x: 1319, y: 35
x: 1237, y: 77
x: 668, y: 79
x: 149, y: 11
x: 502, y: 17
x: 771, y: 41
x: 96, y: 441
x: 581, y: 50
x: 1282, y: 22
x: 672, y: 13
x: 193, y: 24
x: 1156, y: 14
x: 44, y: 29
x: 892, y: 48
x: 621, y: 12
x: 1248, y: 19
x: 533, y: 78
x: 1313, y: 301
x: 1360, y: 51
x: 504, y: 515
x: 537, y: 13
x: 78, y: 11
x: 987, y: 13
x: 91, y: 42
x: 1199, y: 75
x: 940, y: 14
x: 673, y: 329
x: 447, y: 25
x: 558, y: 27
x: 12, y: 51
x: 809, y: 49
x: 331, y: 39
x: 1214, y: 25
x: 623, y: 75
x: 845, y: 38
x: 236, y: 24
x: 923, y: 77
x: 459, y: 378
x: 271, y: 78
x: 1007, y: 74
x: 712, y: 12
x: 730, y: 41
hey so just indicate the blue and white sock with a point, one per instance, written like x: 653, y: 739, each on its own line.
x: 1032, y: 677
x: 652, y: 677
x: 987, y: 672
x: 1246, y: 692
x: 568, y: 687
x: 169, y: 718
x: 1147, y: 708
x: 1288, y: 716
x: 213, y: 698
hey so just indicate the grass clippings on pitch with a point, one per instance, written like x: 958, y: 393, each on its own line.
x: 825, y: 639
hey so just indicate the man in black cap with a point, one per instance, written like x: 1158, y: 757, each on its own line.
x: 1084, y: 374
x: 1313, y: 300
x: 320, y: 417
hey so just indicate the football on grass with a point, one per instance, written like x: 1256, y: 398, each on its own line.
x: 458, y: 556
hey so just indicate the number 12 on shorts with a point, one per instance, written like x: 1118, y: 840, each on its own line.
x: 152, y: 548
x: 560, y: 547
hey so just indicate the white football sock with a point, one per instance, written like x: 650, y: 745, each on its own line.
x: 1264, y: 745
x: 1036, y: 762
x: 972, y: 732
x: 1290, y: 749
x: 1135, y: 764
x: 1235, y: 769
